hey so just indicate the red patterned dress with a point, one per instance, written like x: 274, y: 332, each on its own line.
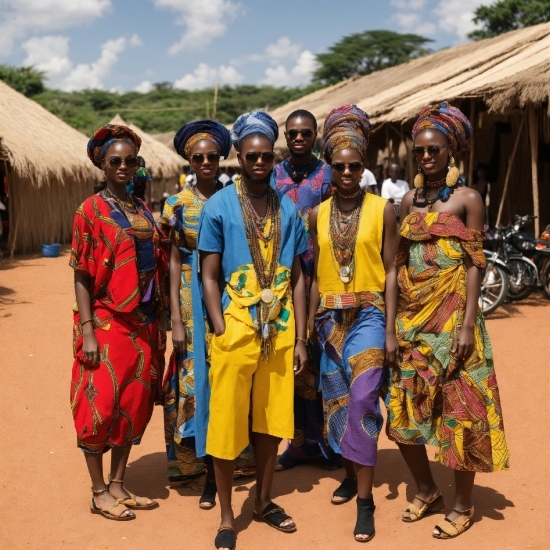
x: 117, y: 245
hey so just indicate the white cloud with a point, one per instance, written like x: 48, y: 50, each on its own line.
x: 414, y: 22
x: 204, y: 20
x: 205, y: 76
x: 456, y: 15
x: 284, y: 48
x: 299, y: 75
x: 21, y: 18
x: 144, y: 87
x: 51, y: 55
x: 408, y: 4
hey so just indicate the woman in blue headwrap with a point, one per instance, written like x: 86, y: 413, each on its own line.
x: 202, y: 143
x: 251, y: 238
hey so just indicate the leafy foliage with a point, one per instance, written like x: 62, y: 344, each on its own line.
x: 366, y: 52
x: 26, y: 80
x: 508, y: 15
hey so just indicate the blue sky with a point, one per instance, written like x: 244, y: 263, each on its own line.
x: 130, y: 44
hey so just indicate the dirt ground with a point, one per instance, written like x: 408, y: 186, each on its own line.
x: 45, y: 490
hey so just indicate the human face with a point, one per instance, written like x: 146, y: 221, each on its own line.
x: 394, y: 171
x: 297, y: 143
x: 347, y: 181
x: 257, y: 171
x: 119, y: 175
x: 433, y: 165
x: 205, y: 170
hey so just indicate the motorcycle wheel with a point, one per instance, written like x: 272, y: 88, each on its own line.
x: 494, y: 288
x: 545, y: 278
x: 523, y: 277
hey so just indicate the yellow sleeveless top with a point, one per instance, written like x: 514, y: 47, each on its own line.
x: 369, y: 274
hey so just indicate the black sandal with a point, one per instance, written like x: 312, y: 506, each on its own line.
x: 365, y: 519
x: 208, y: 498
x: 274, y: 516
x: 347, y: 490
x: 226, y: 537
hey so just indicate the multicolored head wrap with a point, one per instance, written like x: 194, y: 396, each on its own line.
x: 346, y: 127
x: 105, y: 137
x: 193, y: 132
x: 449, y: 121
x: 255, y: 122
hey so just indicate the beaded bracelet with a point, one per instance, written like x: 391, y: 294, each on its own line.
x: 301, y: 339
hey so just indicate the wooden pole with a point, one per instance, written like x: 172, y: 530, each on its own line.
x: 509, y: 170
x: 534, y: 139
x: 472, y: 142
x: 215, y: 106
x: 207, y: 110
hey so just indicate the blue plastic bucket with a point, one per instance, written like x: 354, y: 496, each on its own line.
x: 51, y: 250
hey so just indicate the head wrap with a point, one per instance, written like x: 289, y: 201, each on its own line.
x: 448, y: 120
x: 193, y: 132
x: 346, y: 127
x: 255, y: 122
x: 105, y: 137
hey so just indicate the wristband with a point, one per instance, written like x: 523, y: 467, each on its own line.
x: 88, y: 321
x: 301, y: 339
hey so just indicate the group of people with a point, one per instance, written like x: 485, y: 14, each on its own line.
x: 295, y: 307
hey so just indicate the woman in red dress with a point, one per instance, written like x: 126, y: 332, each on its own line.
x: 119, y: 268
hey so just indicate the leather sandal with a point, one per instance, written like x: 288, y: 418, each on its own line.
x: 347, y: 490
x: 226, y: 537
x: 274, y: 516
x: 428, y: 506
x: 132, y: 501
x: 116, y: 511
x: 449, y: 529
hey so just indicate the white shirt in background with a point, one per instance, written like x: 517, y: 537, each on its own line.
x: 395, y: 191
x: 367, y: 179
x: 224, y: 178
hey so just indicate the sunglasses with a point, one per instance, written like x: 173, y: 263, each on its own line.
x: 116, y: 162
x: 433, y: 150
x: 353, y: 167
x: 293, y: 134
x: 267, y: 157
x: 211, y: 157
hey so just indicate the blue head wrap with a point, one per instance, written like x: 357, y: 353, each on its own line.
x: 255, y: 122
x: 193, y: 132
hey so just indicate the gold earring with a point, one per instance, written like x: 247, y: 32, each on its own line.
x: 452, y: 173
x: 419, y: 179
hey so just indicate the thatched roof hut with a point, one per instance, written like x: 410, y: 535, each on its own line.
x: 46, y: 168
x: 497, y: 82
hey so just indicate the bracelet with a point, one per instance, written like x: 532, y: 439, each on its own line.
x: 301, y: 339
x: 83, y: 323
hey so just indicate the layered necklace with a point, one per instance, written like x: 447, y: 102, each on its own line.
x: 343, y: 229
x: 422, y: 200
x: 255, y: 229
x: 301, y: 172
x: 129, y: 204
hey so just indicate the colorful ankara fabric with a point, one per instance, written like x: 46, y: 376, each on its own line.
x: 308, y: 442
x: 119, y: 248
x: 346, y: 127
x: 193, y: 132
x: 434, y: 399
x: 107, y: 135
x: 449, y: 121
x: 255, y: 122
x: 222, y: 231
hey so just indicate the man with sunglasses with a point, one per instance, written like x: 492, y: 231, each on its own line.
x: 307, y: 181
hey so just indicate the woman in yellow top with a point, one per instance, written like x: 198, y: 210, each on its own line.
x: 353, y: 304
x: 444, y: 392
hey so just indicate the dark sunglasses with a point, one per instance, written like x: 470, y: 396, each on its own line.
x: 116, y: 162
x: 293, y: 134
x: 211, y: 157
x: 354, y: 167
x: 433, y: 150
x: 267, y: 157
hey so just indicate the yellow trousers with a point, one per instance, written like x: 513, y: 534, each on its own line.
x: 240, y: 380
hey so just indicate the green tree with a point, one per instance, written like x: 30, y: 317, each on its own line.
x: 27, y: 80
x: 508, y: 15
x: 366, y: 52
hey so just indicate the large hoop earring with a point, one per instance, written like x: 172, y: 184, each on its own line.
x: 452, y: 173
x: 419, y: 179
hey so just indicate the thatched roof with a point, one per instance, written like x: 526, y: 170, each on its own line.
x: 507, y: 71
x: 39, y: 146
x: 163, y: 161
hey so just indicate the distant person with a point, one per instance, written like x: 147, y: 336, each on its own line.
x: 141, y: 183
x: 393, y: 188
x: 379, y: 175
x: 183, y: 177
x: 481, y: 183
x: 224, y: 178
x: 368, y: 182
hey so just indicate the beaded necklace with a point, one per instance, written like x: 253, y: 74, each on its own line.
x: 443, y: 194
x: 343, y: 235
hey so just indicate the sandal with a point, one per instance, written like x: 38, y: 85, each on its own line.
x: 274, y: 515
x: 449, y: 529
x: 208, y: 498
x: 347, y: 490
x: 132, y: 501
x: 365, y: 519
x: 226, y: 537
x: 113, y: 511
x: 428, y: 506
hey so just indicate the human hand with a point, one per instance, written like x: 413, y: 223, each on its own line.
x: 179, y: 336
x: 90, y: 348
x: 391, y: 349
x: 463, y: 344
x: 300, y: 357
